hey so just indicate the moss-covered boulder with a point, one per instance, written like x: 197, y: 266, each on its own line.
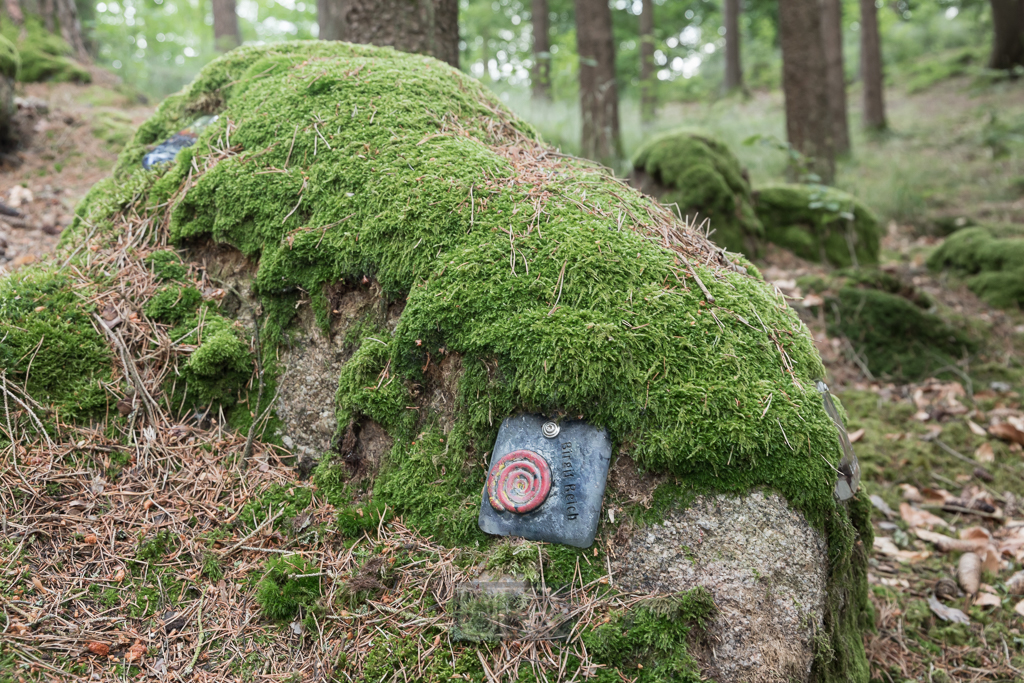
x: 991, y: 258
x: 44, y: 56
x: 703, y: 178
x: 890, y: 328
x: 379, y: 253
x: 819, y: 223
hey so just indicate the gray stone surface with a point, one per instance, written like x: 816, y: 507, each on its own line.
x: 764, y: 565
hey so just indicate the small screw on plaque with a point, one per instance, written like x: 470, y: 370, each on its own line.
x: 550, y: 429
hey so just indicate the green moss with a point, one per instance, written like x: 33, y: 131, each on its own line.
x: 10, y: 61
x: 167, y: 265
x: 154, y: 549
x: 284, y: 590
x: 701, y: 175
x: 358, y: 162
x: 927, y: 71
x: 49, y: 340
x: 992, y: 259
x: 173, y: 304
x: 113, y: 127
x: 44, y: 56
x: 819, y: 223
x: 283, y: 501
x: 650, y: 641
x: 873, y: 319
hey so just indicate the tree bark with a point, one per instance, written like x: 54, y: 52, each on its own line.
x: 1008, y: 38
x: 832, y: 38
x: 871, y: 67
x: 648, y: 84
x: 429, y: 27
x: 541, y: 76
x: 14, y: 12
x: 599, y: 96
x: 733, y: 67
x: 71, y: 28
x: 226, y: 34
x: 804, y: 85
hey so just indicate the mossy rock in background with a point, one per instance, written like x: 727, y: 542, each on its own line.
x: 895, y: 338
x: 702, y: 176
x: 991, y: 257
x: 419, y: 267
x: 44, y: 56
x: 819, y: 223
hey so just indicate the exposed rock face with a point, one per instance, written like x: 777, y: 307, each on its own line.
x: 764, y: 565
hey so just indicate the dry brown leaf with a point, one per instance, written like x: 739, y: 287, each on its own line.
x: 135, y: 652
x: 1019, y: 608
x: 119, y: 576
x: 976, y: 428
x: 98, y: 648
x: 38, y: 585
x: 968, y: 572
x: 91, y: 539
x: 984, y: 453
x: 912, y: 493
x: 947, y: 544
x: 885, y: 546
x: 990, y: 559
x: 975, y: 533
x: 1007, y: 432
x: 920, y: 518
x: 987, y: 600
x: 947, y: 613
x: 936, y: 496
x: 1015, y: 584
x: 856, y: 435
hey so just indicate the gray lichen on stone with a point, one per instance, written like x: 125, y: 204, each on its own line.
x: 764, y: 565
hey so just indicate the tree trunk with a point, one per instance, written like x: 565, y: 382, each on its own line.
x: 733, y: 68
x: 832, y: 37
x: 15, y: 13
x: 1008, y: 40
x: 804, y: 85
x: 871, y: 67
x: 429, y: 27
x: 225, y: 25
x: 541, y: 50
x: 648, y: 84
x: 71, y: 28
x: 599, y: 97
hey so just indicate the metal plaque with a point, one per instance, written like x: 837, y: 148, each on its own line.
x: 546, y: 480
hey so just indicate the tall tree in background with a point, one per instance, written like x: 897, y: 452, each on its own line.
x: 804, y: 85
x: 1008, y: 38
x: 226, y: 34
x: 429, y: 27
x: 599, y: 96
x: 541, y: 76
x: 56, y: 14
x: 871, y: 67
x: 832, y: 39
x: 733, y: 68
x: 648, y: 84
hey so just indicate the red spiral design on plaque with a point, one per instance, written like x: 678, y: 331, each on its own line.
x: 519, y: 482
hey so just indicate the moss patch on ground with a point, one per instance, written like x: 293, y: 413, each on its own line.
x: 702, y: 176
x: 49, y: 345
x: 991, y: 258
x: 334, y: 163
x: 819, y: 223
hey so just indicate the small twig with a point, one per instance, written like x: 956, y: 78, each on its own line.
x: 693, y: 272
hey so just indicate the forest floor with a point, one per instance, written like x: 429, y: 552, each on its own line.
x: 941, y: 480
